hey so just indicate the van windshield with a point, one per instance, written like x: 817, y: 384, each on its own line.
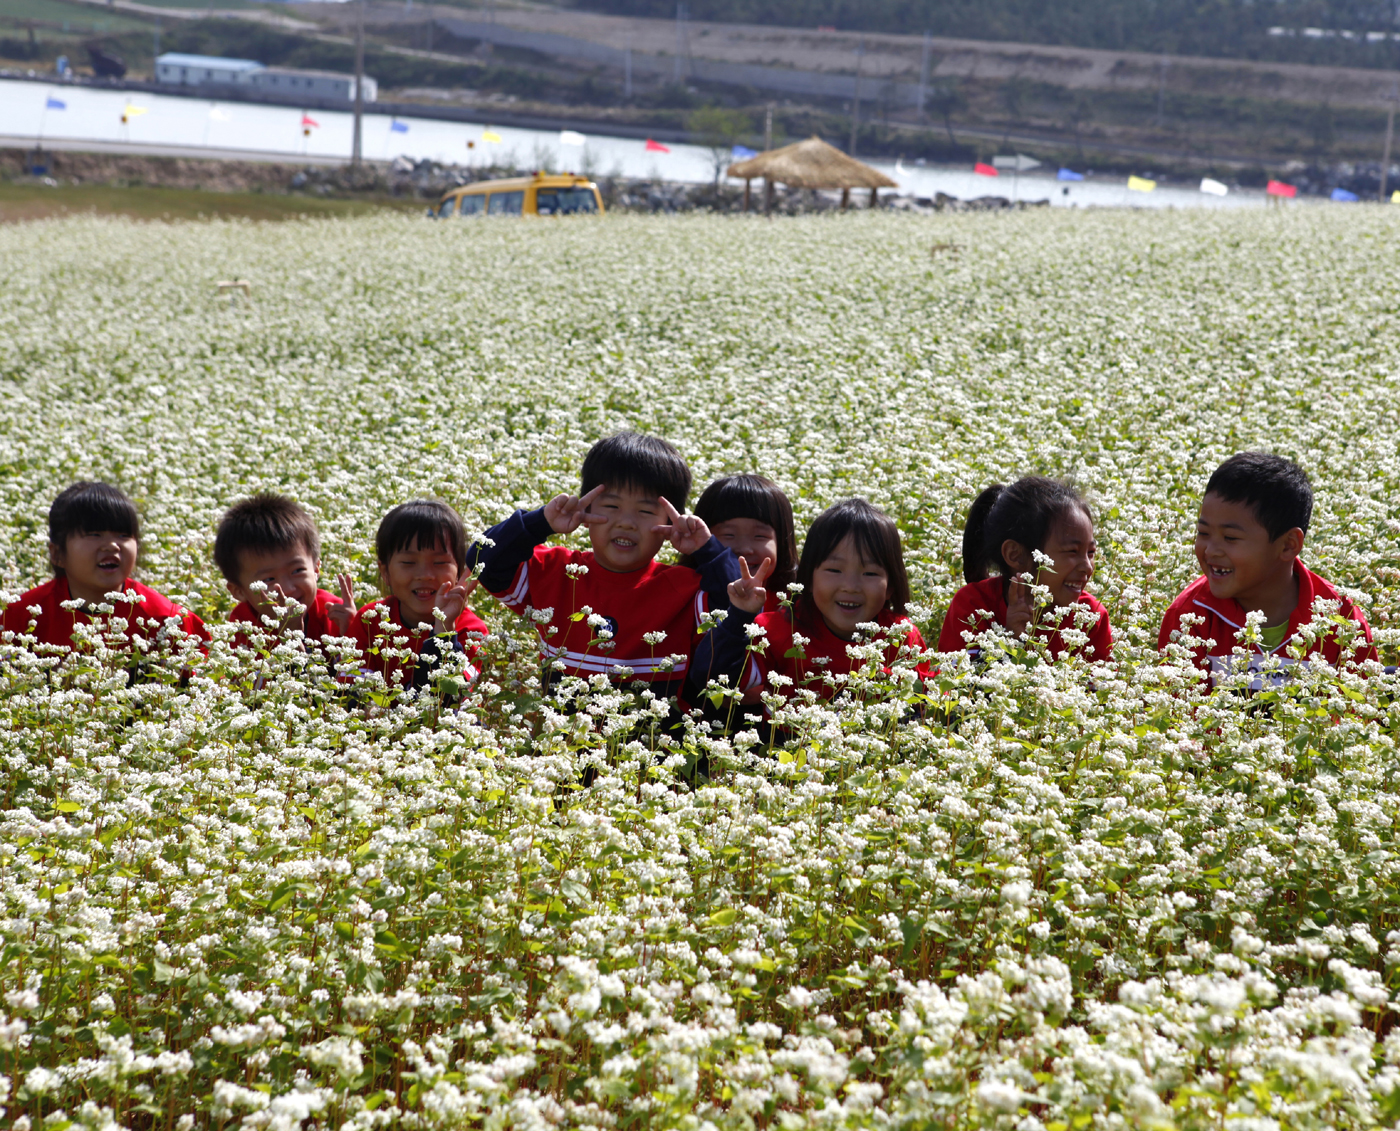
x: 565, y: 201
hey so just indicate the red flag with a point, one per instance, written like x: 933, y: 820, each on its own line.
x: 308, y: 120
x: 656, y: 147
x: 983, y: 170
x: 1278, y: 188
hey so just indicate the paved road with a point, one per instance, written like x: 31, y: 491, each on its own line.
x: 153, y: 149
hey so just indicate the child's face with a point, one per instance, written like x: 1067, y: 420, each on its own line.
x: 626, y: 541
x: 414, y: 575
x: 292, y: 571
x: 1237, y: 555
x: 96, y: 564
x: 848, y: 590
x: 749, y: 539
x: 1070, y: 542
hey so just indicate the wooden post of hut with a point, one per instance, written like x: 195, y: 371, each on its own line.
x: 874, y: 196
x: 845, y: 199
x: 747, y: 185
x: 767, y: 196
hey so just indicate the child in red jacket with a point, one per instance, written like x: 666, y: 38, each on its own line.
x: 422, y: 551
x: 1253, y: 520
x: 642, y: 614
x: 751, y: 516
x: 94, y: 538
x: 271, y: 539
x: 1006, y: 527
x: 852, y: 575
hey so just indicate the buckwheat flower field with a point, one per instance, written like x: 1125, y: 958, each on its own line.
x: 1029, y: 896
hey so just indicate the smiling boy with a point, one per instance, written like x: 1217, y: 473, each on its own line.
x: 632, y: 491
x: 272, y: 539
x: 1249, y: 535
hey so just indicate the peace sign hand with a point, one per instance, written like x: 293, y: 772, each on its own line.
x: 687, y: 532
x: 746, y: 593
x: 341, y: 615
x: 566, y: 513
x: 452, y: 598
x: 1020, y: 609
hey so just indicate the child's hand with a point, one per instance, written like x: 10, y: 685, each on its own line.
x: 452, y: 598
x: 747, y: 593
x: 566, y: 513
x: 342, y: 615
x: 687, y: 532
x: 1020, y: 608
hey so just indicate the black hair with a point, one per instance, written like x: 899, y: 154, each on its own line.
x: 1276, y: 489
x: 1022, y: 512
x: 758, y: 498
x: 261, y: 524
x: 876, y: 537
x: 644, y: 463
x: 421, y: 524
x: 91, y: 508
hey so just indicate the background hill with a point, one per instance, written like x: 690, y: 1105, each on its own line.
x: 1229, y: 28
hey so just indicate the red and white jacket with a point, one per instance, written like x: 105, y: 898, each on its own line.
x: 318, y: 621
x: 384, y: 630
x: 524, y: 574
x: 724, y: 651
x: 1225, y: 620
x: 989, y: 595
x: 147, y: 614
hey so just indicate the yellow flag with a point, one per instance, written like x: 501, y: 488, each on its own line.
x: 135, y: 111
x: 490, y: 135
x: 1395, y: 197
x: 1140, y: 184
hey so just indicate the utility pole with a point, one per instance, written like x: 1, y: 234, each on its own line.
x: 680, y: 42
x: 1161, y: 88
x: 31, y: 32
x: 1389, y: 136
x: 768, y: 129
x: 855, y: 102
x: 627, y: 69
x: 359, y: 82
x: 923, y: 77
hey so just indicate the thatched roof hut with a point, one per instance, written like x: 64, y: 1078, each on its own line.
x: 810, y: 164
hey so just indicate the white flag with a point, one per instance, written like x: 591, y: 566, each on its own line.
x: 1021, y: 163
x: 219, y: 114
x: 571, y: 137
x: 1214, y: 188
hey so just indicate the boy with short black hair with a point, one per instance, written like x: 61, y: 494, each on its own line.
x: 421, y: 546
x: 642, y: 612
x: 94, y: 539
x: 1254, y: 518
x: 272, y: 539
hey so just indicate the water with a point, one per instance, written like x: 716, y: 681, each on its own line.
x: 276, y: 132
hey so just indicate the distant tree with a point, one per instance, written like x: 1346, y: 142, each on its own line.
x: 1080, y: 115
x: 945, y: 100
x: 719, y: 130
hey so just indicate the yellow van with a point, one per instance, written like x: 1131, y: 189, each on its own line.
x: 544, y: 194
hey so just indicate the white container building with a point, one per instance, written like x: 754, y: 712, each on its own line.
x: 208, y: 70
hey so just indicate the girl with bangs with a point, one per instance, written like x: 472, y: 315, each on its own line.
x: 852, y: 574
x: 751, y: 515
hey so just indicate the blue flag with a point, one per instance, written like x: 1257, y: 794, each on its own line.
x: 398, y: 127
x: 742, y: 153
x: 55, y: 104
x: 1068, y: 175
x: 1341, y: 196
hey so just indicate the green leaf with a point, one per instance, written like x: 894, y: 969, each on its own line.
x: 724, y: 918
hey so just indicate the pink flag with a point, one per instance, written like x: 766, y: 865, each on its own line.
x: 1278, y: 188
x: 308, y: 120
x: 656, y: 147
x: 984, y: 170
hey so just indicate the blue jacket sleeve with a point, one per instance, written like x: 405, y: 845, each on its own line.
x: 724, y: 650
x: 515, y: 541
x: 717, y: 566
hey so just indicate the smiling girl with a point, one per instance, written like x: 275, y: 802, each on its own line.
x: 94, y: 537
x: 1006, y: 528
x: 852, y: 576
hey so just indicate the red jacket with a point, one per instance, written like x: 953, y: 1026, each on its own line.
x: 380, y: 632
x: 825, y: 645
x: 990, y: 595
x: 54, y: 624
x: 1224, y: 620
x: 318, y: 621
